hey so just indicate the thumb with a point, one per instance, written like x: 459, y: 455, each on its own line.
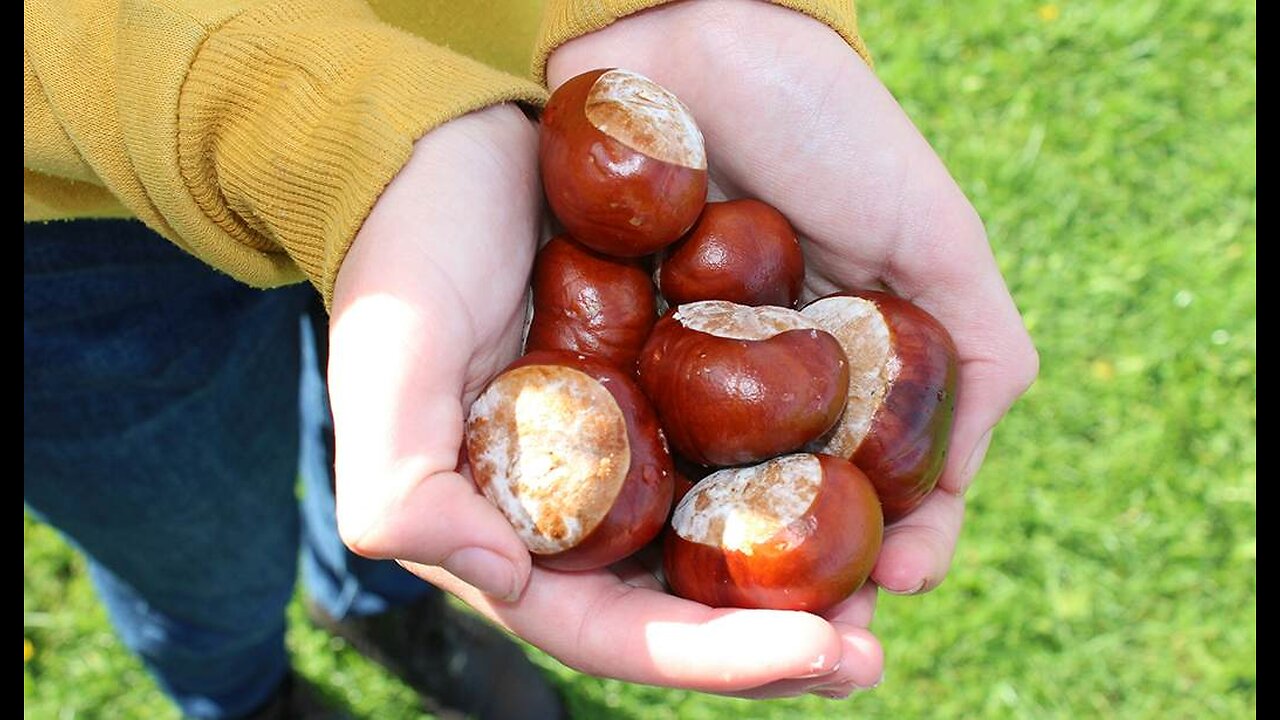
x: 442, y: 520
x: 426, y: 305
x: 398, y: 421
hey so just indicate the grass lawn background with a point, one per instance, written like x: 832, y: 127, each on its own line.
x: 1108, y: 563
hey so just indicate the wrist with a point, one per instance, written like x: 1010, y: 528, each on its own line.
x: 656, y: 42
x: 454, y: 176
x: 702, y: 51
x: 664, y: 42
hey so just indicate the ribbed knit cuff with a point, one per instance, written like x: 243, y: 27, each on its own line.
x: 293, y: 119
x: 565, y: 20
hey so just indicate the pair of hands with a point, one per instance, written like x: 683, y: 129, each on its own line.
x: 430, y: 303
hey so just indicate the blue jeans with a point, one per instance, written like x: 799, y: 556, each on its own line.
x: 169, y: 413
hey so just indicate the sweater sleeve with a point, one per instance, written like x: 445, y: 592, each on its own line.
x: 256, y: 134
x: 565, y: 20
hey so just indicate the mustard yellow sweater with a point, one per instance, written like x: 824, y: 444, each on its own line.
x: 257, y: 134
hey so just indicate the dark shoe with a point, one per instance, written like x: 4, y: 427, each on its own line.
x: 460, y: 665
x: 297, y: 699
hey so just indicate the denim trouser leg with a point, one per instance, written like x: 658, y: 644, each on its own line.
x: 340, y: 581
x: 161, y: 435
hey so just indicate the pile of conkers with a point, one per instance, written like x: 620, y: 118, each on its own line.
x: 813, y: 427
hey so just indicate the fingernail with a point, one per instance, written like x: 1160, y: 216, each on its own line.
x: 974, y: 462
x: 491, y: 573
x: 909, y: 591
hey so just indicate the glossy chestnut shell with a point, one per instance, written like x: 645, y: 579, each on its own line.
x: 623, y: 163
x: 757, y: 383
x: 799, y: 532
x: 590, y: 303
x: 743, y: 251
x: 903, y: 373
x: 569, y: 449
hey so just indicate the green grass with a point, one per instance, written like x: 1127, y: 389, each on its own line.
x: 1108, y: 565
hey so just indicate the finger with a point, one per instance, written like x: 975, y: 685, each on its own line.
x: 857, y: 609
x: 862, y: 657
x: 917, y: 549
x: 601, y: 626
x: 958, y: 481
x: 466, y: 535
x: 951, y: 272
x: 989, y: 385
x: 862, y: 661
x: 861, y: 668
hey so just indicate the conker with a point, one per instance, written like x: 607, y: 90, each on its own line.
x: 590, y: 303
x: 743, y: 251
x: 736, y: 384
x: 798, y: 532
x: 903, y: 369
x: 623, y: 162
x: 569, y: 449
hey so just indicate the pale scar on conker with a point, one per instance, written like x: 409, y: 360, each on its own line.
x: 738, y: 508
x: 904, y: 369
x: 645, y: 117
x: 864, y: 336
x: 741, y: 322
x: 548, y: 446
